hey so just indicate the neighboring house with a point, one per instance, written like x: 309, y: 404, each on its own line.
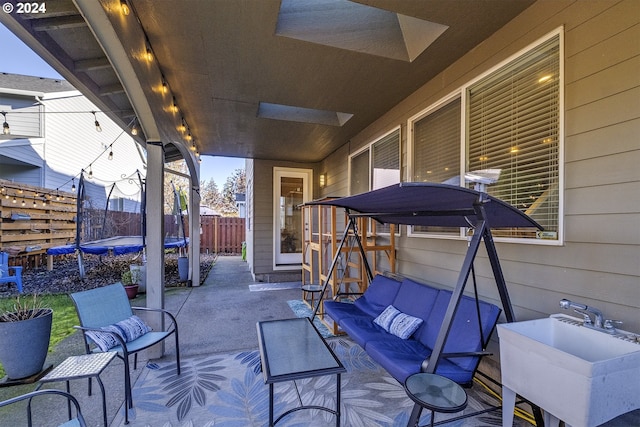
x: 579, y: 178
x: 207, y: 211
x: 53, y: 137
x: 241, y: 204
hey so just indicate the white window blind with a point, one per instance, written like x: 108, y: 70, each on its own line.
x: 436, y: 140
x: 359, y: 177
x: 437, y: 153
x: 513, y: 125
x: 386, y: 161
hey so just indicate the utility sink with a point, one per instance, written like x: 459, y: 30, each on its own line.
x: 576, y: 374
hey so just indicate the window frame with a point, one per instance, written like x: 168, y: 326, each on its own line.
x: 463, y: 93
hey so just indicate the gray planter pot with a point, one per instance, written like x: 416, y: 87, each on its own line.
x: 183, y: 268
x: 24, y: 345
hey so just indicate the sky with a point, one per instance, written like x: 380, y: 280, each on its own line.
x: 24, y: 61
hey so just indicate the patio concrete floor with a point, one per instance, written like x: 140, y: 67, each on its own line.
x: 217, y: 317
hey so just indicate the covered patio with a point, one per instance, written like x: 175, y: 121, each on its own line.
x: 310, y: 89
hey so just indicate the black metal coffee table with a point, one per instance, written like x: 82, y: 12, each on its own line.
x: 293, y: 349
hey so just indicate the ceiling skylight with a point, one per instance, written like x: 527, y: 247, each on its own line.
x: 302, y: 115
x: 356, y: 27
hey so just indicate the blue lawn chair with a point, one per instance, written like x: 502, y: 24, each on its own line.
x: 78, y: 421
x: 106, y: 306
x: 4, y: 272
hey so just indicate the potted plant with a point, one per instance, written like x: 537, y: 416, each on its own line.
x: 130, y: 282
x: 25, y: 332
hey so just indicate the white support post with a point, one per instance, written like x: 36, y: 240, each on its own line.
x: 155, y: 240
x: 194, y: 229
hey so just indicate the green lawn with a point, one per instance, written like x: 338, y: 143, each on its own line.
x: 64, y: 316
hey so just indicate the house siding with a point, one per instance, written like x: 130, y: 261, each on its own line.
x: 75, y: 133
x: 598, y: 263
x: 262, y: 220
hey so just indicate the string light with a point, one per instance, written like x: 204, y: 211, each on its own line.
x: 174, y: 107
x: 96, y: 122
x: 5, y: 126
x: 73, y: 185
x: 165, y: 88
x: 124, y: 7
x: 90, y: 172
x: 14, y: 201
x: 110, y: 157
x: 23, y: 202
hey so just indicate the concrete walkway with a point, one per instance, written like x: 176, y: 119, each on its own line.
x: 219, y: 316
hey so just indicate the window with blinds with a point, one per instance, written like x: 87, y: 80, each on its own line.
x: 513, y: 125
x: 359, y: 173
x: 376, y: 166
x: 436, y: 153
x: 385, y: 159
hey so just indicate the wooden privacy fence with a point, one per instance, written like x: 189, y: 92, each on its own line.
x: 33, y: 219
x: 221, y: 234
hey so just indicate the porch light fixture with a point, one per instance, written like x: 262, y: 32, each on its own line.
x: 323, y: 180
x: 124, y: 7
x: 5, y: 126
x: 96, y: 122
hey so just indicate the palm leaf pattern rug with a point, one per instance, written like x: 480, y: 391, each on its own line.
x: 228, y: 390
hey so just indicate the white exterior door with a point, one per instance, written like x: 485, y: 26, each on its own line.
x: 292, y: 187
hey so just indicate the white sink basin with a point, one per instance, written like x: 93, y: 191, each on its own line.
x: 581, y: 376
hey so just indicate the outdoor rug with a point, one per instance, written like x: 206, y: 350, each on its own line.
x: 301, y: 309
x: 228, y: 390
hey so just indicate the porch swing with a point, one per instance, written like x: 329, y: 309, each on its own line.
x: 442, y: 205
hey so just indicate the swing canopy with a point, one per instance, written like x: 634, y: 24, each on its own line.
x: 432, y: 204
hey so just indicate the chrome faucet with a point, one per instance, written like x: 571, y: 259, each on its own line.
x: 585, y: 310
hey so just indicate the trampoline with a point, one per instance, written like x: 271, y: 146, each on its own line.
x: 107, y: 232
x: 118, y: 245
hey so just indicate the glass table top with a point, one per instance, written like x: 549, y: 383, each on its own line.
x: 293, y: 348
x: 436, y: 392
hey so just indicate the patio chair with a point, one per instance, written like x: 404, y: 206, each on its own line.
x: 4, y: 272
x: 108, y: 324
x: 78, y: 421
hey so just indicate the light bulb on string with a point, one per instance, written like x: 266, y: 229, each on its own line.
x: 14, y: 201
x: 90, y: 176
x: 23, y: 202
x: 124, y: 7
x: 96, y: 122
x: 73, y: 185
x: 5, y: 126
x: 110, y: 157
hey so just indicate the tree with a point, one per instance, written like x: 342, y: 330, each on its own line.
x: 210, y: 194
x: 235, y: 184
